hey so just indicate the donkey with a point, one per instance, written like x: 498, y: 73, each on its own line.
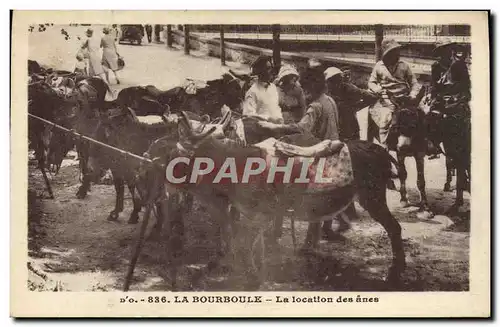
x: 408, y: 138
x: 452, y: 126
x: 258, y: 202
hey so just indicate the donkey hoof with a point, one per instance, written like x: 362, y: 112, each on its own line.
x: 447, y: 188
x: 113, y: 216
x: 81, y: 194
x: 133, y: 219
x: 394, y: 278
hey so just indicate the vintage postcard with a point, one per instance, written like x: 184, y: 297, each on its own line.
x: 250, y: 164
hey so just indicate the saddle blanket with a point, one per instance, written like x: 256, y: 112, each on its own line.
x: 317, y: 174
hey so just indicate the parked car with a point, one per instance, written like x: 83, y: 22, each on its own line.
x: 132, y: 33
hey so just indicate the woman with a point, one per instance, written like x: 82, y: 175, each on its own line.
x: 110, y: 54
x: 321, y: 117
x: 291, y: 96
x: 92, y: 45
x: 262, y: 99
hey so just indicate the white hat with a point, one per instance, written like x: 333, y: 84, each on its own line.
x: 331, y: 71
x: 287, y: 70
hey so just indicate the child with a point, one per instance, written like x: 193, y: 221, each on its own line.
x: 81, y: 65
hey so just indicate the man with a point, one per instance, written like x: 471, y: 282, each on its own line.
x: 393, y: 82
x: 349, y: 99
x: 149, y: 32
x: 262, y: 99
x: 158, y: 29
x: 450, y: 89
x: 321, y: 120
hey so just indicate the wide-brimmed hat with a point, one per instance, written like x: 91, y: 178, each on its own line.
x: 287, y: 70
x: 443, y: 44
x: 389, y: 45
x: 331, y: 71
x: 106, y: 30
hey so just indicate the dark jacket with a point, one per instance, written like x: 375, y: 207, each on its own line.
x: 350, y: 99
x: 452, y: 80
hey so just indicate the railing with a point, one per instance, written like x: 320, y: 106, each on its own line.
x: 360, y: 33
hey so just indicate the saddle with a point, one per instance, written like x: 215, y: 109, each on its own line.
x: 336, y: 167
x: 279, y: 148
x: 323, y: 149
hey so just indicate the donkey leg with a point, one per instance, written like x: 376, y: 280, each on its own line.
x: 176, y: 236
x: 461, y: 185
x: 119, y: 189
x: 376, y: 205
x: 86, y: 179
x: 449, y: 175
x: 403, y: 175
x: 419, y: 162
x: 312, y: 238
x: 134, y: 216
x: 47, y: 182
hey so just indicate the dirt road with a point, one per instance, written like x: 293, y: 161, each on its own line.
x: 75, y: 247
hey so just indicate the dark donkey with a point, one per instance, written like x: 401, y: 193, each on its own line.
x: 452, y: 126
x: 260, y: 202
x: 205, y: 99
x: 120, y: 127
x: 45, y: 102
x: 408, y: 138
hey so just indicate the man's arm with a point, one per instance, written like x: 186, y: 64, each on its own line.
x: 359, y: 98
x: 373, y: 81
x: 305, y: 124
x: 412, y: 81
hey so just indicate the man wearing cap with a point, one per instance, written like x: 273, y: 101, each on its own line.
x: 262, y: 99
x: 394, y: 82
x: 349, y: 99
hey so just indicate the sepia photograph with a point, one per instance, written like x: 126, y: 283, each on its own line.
x: 331, y: 163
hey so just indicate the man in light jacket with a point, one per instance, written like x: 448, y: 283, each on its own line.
x: 393, y: 81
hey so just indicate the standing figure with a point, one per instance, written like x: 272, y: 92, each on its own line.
x: 450, y: 94
x: 116, y: 32
x: 149, y: 31
x: 321, y: 120
x: 81, y: 65
x: 158, y: 29
x: 291, y: 96
x: 262, y: 99
x: 393, y: 82
x: 349, y: 99
x: 93, y: 47
x: 110, y: 55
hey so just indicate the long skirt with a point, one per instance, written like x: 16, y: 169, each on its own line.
x: 110, y: 59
